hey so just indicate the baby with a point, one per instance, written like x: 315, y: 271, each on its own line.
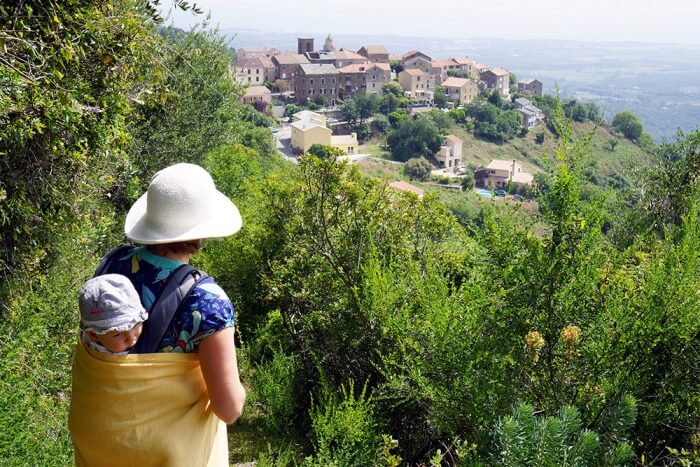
x: 111, y: 314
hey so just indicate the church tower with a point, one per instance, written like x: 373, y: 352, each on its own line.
x: 328, y: 46
x: 305, y: 44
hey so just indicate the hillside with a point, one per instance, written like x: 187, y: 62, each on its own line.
x: 606, y: 165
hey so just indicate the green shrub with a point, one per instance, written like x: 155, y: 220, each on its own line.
x: 345, y: 431
x: 525, y: 439
x: 277, y: 393
x: 418, y: 168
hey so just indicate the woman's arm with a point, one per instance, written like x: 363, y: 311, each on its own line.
x: 217, y: 356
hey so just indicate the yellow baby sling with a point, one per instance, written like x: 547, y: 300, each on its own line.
x: 143, y: 410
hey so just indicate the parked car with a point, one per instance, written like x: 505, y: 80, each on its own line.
x: 500, y: 192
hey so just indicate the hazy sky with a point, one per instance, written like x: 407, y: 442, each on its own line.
x: 596, y: 20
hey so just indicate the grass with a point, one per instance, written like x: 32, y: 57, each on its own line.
x: 375, y: 146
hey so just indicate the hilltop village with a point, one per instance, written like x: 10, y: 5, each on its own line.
x: 323, y: 79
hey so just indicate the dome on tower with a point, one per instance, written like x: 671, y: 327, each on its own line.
x: 328, y: 46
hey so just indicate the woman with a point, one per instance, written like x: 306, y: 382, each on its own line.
x: 179, y: 398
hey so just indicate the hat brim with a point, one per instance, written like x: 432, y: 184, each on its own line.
x: 227, y: 221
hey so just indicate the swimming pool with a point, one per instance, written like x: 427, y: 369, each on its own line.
x: 483, y: 192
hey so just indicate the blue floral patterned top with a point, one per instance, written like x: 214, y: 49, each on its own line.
x: 207, y: 310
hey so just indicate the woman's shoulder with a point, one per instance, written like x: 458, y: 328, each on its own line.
x: 208, y: 289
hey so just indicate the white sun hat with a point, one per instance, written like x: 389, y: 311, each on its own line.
x: 181, y: 204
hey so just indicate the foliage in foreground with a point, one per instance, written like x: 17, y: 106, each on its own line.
x: 449, y: 329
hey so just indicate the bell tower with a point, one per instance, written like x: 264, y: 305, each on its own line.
x: 305, y: 44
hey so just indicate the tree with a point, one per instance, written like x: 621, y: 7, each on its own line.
x: 418, y: 168
x: 381, y: 123
x: 439, y: 118
x: 396, y: 117
x: 539, y: 137
x: 611, y: 144
x: 393, y: 88
x: 440, y: 98
x: 350, y: 111
x: 396, y: 66
x: 504, y: 127
x: 193, y: 111
x: 321, y: 100
x: 413, y: 138
x: 363, y: 132
x: 70, y: 74
x: 627, y: 123
x: 323, y: 151
x: 495, y: 98
x: 367, y: 105
x: 467, y: 182
x: 512, y: 82
x: 291, y: 109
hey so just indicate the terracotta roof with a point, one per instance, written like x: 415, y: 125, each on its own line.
x: 289, y: 59
x: 443, y: 63
x: 395, y: 58
x: 500, y: 164
x: 375, y: 49
x: 343, y: 139
x: 528, y: 81
x: 523, y: 177
x: 256, y: 91
x: 354, y: 68
x: 453, y: 139
x: 267, y: 62
x: 342, y: 53
x: 305, y: 125
x: 414, y: 52
x: 461, y: 60
x: 252, y: 49
x: 499, y: 72
x: 479, y: 66
x: 414, y: 72
x: 454, y: 82
x: 363, y: 67
x: 405, y: 186
x: 318, y: 69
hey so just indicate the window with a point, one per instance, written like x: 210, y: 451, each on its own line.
x: 332, y: 80
x: 311, y: 82
x: 323, y: 80
x: 257, y: 71
x: 418, y: 79
x: 248, y: 70
x: 257, y: 79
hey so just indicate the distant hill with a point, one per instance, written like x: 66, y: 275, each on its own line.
x: 658, y: 82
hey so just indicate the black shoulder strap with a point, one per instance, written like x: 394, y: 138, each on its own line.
x: 109, y: 257
x: 176, y: 289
